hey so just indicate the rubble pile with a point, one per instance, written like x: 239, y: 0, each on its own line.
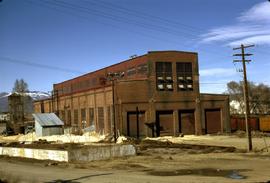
x: 67, y: 138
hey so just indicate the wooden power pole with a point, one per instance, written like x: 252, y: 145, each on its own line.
x: 245, y: 88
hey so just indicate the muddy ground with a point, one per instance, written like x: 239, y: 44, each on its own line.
x: 158, y: 160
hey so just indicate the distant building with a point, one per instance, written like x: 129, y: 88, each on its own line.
x: 47, y: 124
x: 4, y: 117
x: 19, y: 112
x: 153, y: 94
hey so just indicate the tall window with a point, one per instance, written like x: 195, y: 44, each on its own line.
x: 83, y: 115
x: 100, y: 119
x: 76, y: 117
x: 184, y: 76
x: 91, y: 116
x: 164, y: 76
x: 109, y: 117
x: 62, y: 116
x: 68, y: 117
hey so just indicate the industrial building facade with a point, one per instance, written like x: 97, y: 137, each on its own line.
x: 155, y: 94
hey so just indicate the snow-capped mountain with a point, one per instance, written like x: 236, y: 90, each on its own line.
x: 35, y: 95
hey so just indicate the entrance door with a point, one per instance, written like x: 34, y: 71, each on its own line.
x: 212, y: 121
x: 186, y: 122
x: 134, y: 130
x: 164, y: 123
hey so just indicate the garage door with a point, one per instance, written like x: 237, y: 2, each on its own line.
x: 186, y: 122
x: 212, y: 121
x: 132, y: 124
x: 164, y: 123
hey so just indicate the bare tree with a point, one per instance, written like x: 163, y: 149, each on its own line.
x: 20, y: 86
x: 259, y: 97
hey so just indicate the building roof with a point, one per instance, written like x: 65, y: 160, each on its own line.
x: 48, y: 119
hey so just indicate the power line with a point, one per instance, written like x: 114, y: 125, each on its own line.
x: 106, y: 24
x: 117, y: 18
x: 128, y: 20
x: 143, y: 15
x: 43, y: 66
x: 79, y: 9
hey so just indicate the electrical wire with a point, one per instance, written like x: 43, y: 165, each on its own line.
x: 43, y: 66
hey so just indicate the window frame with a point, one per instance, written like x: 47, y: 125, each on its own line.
x: 184, y: 71
x: 164, y: 76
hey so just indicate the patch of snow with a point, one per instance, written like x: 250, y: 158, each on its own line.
x: 5, y: 95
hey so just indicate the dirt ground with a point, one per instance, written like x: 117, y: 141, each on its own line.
x: 191, y: 159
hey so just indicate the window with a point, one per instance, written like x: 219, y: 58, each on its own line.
x: 62, y: 116
x: 109, y: 117
x: 142, y: 69
x: 66, y: 89
x: 68, y: 117
x: 83, y: 115
x: 91, y: 116
x: 164, y: 76
x: 100, y: 119
x: 76, y: 120
x: 131, y: 71
x: 184, y: 76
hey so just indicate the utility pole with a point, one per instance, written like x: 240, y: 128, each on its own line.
x: 113, y: 77
x: 245, y: 88
x: 113, y: 109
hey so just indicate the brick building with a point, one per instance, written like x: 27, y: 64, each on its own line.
x: 153, y: 94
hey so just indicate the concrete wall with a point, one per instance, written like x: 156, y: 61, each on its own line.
x: 101, y: 152
x: 41, y: 154
x: 86, y: 153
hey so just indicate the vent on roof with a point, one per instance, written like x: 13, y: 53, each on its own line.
x: 133, y: 56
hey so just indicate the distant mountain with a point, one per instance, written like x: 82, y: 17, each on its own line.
x: 38, y: 95
x: 35, y: 95
x: 3, y: 101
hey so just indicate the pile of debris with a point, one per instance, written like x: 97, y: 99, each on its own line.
x: 88, y: 137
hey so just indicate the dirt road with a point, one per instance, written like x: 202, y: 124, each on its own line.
x: 190, y: 160
x: 150, y: 166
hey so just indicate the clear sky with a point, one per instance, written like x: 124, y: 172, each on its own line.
x: 49, y: 41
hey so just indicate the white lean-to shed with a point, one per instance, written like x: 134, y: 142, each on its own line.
x: 47, y: 124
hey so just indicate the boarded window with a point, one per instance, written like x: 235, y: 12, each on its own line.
x: 164, y: 76
x: 109, y: 117
x: 76, y: 117
x: 142, y: 69
x: 68, y: 122
x: 184, y: 76
x: 62, y: 116
x: 42, y: 107
x: 131, y: 71
x: 100, y: 118
x: 91, y: 116
x: 83, y: 115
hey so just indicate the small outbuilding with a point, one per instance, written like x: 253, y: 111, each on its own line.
x: 47, y: 124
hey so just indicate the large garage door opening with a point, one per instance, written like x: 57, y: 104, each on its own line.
x: 135, y: 128
x: 212, y: 121
x: 164, y: 123
x: 186, y: 122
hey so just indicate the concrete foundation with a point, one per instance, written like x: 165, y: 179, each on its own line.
x: 41, y: 154
x: 87, y: 153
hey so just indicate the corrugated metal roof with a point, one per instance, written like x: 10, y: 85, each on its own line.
x: 48, y: 119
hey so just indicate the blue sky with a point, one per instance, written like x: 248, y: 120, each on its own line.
x: 49, y: 41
